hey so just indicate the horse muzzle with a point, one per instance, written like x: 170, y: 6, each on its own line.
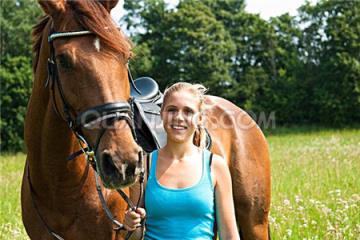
x: 117, y: 172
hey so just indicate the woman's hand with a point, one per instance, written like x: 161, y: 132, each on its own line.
x: 133, y: 218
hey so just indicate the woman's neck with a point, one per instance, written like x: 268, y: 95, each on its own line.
x: 179, y: 151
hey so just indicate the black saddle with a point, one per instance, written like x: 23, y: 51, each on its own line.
x: 148, y: 124
x: 147, y: 90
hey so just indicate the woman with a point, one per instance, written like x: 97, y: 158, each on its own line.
x: 188, y: 187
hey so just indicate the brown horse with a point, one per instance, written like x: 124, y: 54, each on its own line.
x: 88, y: 73
x: 60, y: 195
x: 238, y: 139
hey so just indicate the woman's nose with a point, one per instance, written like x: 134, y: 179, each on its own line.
x: 179, y: 116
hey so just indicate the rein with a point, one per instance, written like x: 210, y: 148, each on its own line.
x: 114, y: 111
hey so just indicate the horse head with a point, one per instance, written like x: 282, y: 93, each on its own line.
x: 89, y: 85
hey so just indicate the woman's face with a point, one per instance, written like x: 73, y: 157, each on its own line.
x: 180, y: 116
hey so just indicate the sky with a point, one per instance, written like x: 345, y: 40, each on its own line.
x: 272, y: 8
x: 266, y: 8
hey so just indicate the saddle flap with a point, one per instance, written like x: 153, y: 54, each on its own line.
x: 146, y: 90
x: 148, y: 126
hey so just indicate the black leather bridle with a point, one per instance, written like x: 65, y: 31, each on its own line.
x: 120, y: 110
x: 109, y: 112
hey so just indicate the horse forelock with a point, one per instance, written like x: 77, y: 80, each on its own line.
x: 92, y: 16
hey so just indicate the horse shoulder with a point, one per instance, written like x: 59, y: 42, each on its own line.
x: 236, y: 135
x: 222, y: 121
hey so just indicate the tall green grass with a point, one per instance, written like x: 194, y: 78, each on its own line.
x: 315, y: 186
x: 11, y: 170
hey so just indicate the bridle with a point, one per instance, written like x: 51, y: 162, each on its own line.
x: 120, y: 110
x: 109, y: 112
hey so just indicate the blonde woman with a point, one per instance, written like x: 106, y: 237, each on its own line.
x: 189, y: 189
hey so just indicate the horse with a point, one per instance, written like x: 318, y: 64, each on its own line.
x: 59, y: 196
x: 80, y: 68
x: 239, y: 140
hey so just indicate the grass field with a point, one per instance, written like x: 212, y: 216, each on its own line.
x: 315, y: 186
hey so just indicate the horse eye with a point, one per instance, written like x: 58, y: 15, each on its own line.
x: 64, y: 62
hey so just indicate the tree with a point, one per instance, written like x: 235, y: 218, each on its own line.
x: 304, y: 68
x: 16, y: 21
x: 15, y: 75
x: 188, y: 44
x: 332, y: 58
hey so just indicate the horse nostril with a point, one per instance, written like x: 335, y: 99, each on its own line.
x: 108, y: 166
x: 130, y: 170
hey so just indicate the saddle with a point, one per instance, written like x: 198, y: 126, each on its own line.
x: 149, y: 128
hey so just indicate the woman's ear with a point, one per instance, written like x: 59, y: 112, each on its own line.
x: 199, y: 120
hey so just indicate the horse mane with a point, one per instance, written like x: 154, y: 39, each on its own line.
x: 37, y: 38
x: 92, y: 16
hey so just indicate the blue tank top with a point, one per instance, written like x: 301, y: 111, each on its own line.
x: 185, y: 213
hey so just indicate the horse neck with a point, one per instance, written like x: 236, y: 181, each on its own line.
x: 48, y: 139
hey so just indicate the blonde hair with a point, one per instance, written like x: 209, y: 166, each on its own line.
x: 198, y: 90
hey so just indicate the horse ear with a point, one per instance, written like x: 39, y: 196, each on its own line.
x: 52, y: 7
x: 109, y: 4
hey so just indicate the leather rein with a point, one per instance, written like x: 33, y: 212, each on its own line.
x: 114, y: 111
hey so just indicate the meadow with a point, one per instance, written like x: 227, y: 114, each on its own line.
x: 315, y: 185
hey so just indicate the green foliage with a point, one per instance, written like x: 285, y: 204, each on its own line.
x: 17, y: 18
x: 16, y: 75
x: 305, y: 68
x: 16, y: 21
x: 332, y: 43
x: 184, y: 45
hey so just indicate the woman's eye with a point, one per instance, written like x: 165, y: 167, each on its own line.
x: 64, y: 62
x: 188, y: 112
x: 171, y: 110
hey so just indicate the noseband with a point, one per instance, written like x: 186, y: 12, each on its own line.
x: 104, y: 113
x: 120, y: 110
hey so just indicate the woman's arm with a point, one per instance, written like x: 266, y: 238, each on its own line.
x: 133, y: 218
x: 225, y: 213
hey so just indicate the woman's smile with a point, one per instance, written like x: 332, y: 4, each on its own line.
x: 178, y: 127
